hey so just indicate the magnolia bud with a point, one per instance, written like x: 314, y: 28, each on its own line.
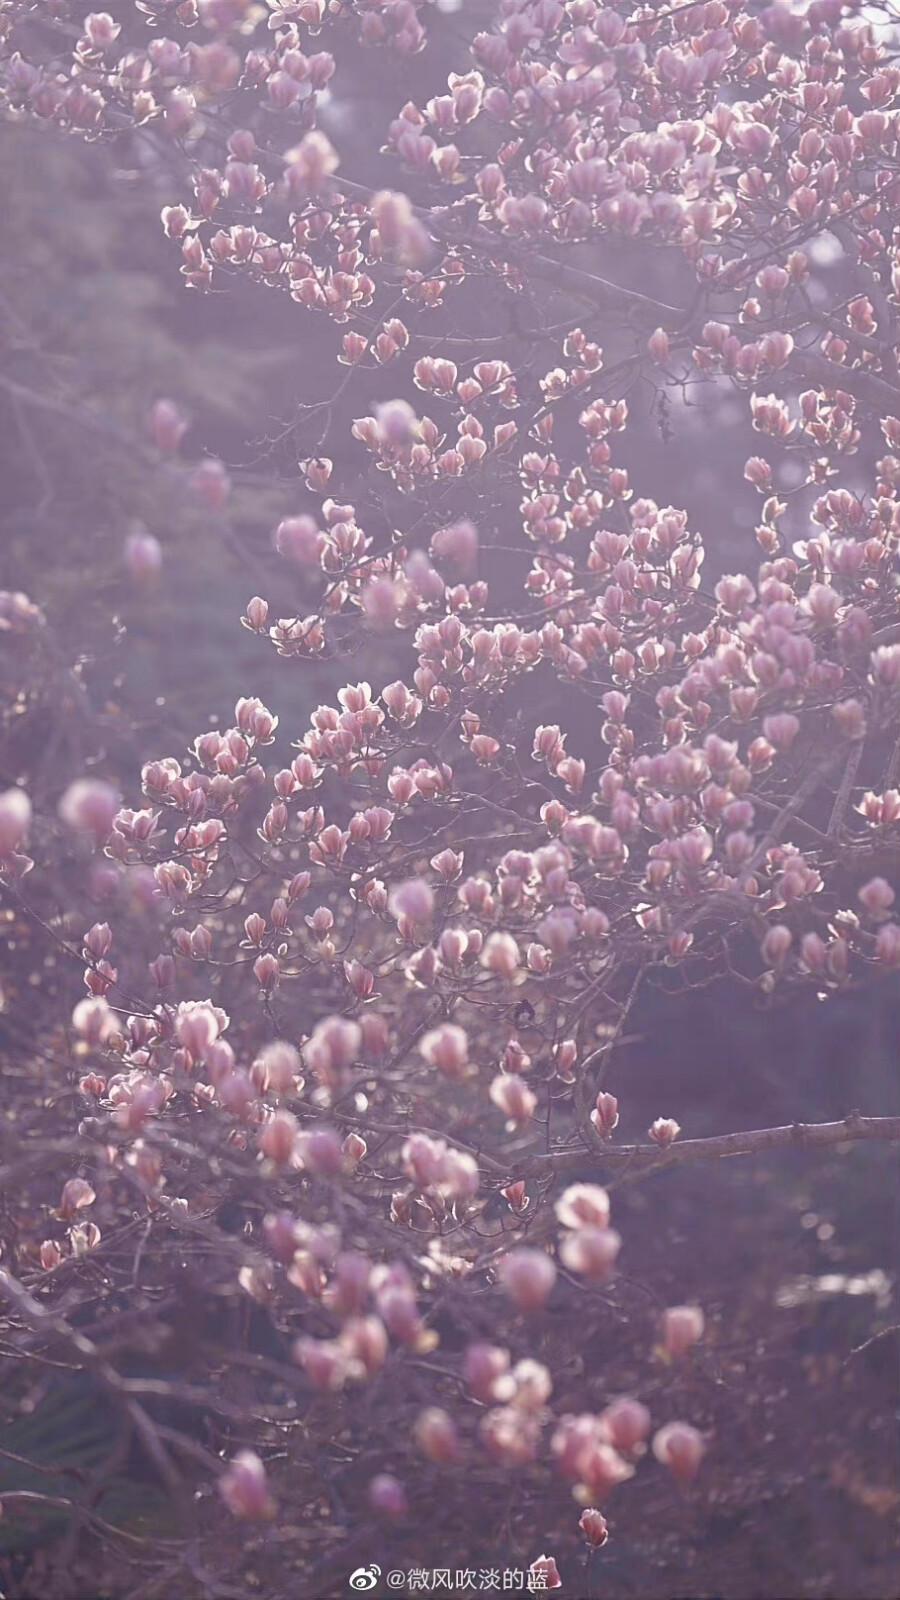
x: 278, y: 1138
x: 387, y: 1496
x: 591, y: 1252
x: 528, y: 1276
x: 605, y: 1115
x: 280, y: 1234
x: 256, y: 615
x: 437, y: 1437
x: 166, y: 424
x: 583, y: 1205
x: 484, y: 1369
x: 414, y: 900
x: 543, y: 1574
x: 77, y: 1193
x: 682, y: 1327
x: 143, y: 556
x: 446, y: 1048
x: 513, y: 1097
x: 594, y: 1526
x: 211, y: 484
x: 354, y: 1150
x: 665, y: 1131
x: 516, y: 1195
x: 162, y: 971
x: 245, y: 1490
x: 680, y: 1448
x: 15, y: 819
x: 877, y: 897
x: 781, y: 730
x: 776, y: 944
x: 627, y: 1424
x: 197, y: 1027
x: 501, y: 955
x: 658, y: 345
x: 90, y: 805
x: 320, y: 1150
x: 267, y: 972
x: 279, y: 1066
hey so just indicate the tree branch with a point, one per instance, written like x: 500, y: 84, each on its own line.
x: 831, y: 375
x: 39, y: 1317
x: 451, y: 229
x: 796, y: 1136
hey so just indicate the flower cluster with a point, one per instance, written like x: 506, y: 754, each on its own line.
x: 354, y: 973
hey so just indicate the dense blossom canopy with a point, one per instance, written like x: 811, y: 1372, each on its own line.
x: 369, y: 973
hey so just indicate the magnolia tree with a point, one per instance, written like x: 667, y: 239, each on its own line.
x: 347, y: 1038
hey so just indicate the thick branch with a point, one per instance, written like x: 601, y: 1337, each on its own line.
x: 796, y: 1136
x: 831, y: 375
x: 805, y: 792
x: 649, y: 312
x: 452, y: 229
x: 639, y: 309
x: 606, y: 296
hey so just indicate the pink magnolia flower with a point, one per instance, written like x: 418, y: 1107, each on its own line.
x: 387, y: 1496
x: 501, y: 955
x: 446, y: 1048
x: 682, y: 1327
x: 781, y: 730
x: 664, y: 1131
x: 90, y: 805
x: 626, y: 1423
x: 591, y: 1252
x: 776, y: 945
x: 167, y: 426
x: 484, y: 1371
x: 15, y: 820
x: 877, y: 896
x: 583, y: 1205
x: 143, y: 556
x: 595, y: 1527
x: 605, y: 1115
x: 680, y: 1448
x: 437, y: 1436
x: 543, y: 1574
x: 513, y: 1097
x: 527, y: 1275
x: 77, y: 1193
x: 413, y: 900
x: 278, y: 1139
x: 245, y: 1490
x: 210, y: 483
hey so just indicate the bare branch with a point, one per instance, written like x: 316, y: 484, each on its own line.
x: 795, y: 1136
